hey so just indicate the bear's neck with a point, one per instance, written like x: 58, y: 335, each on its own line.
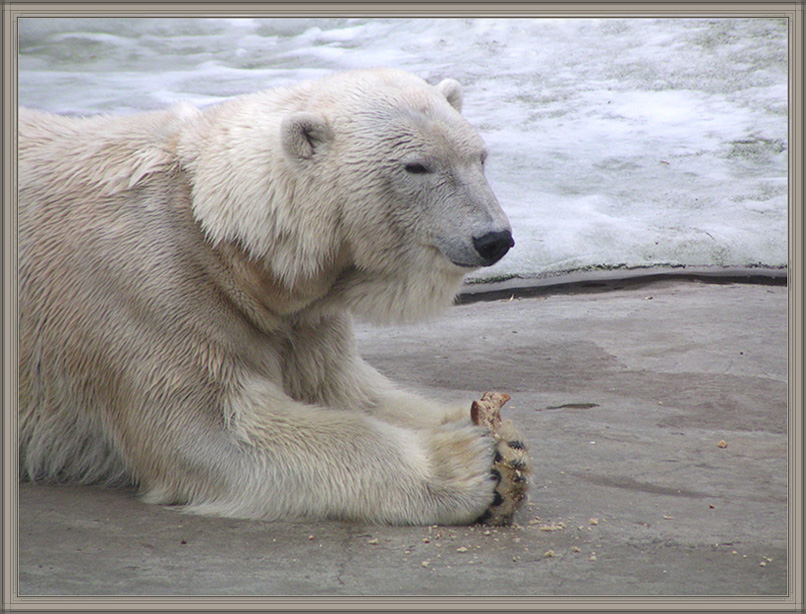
x: 415, y: 294
x: 260, y: 294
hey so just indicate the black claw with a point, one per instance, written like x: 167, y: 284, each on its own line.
x: 497, y: 475
x: 517, y: 445
x: 518, y: 479
x: 497, y: 500
x: 497, y: 458
x: 518, y: 464
x: 484, y: 517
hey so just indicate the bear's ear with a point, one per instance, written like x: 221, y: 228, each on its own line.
x: 303, y: 134
x: 451, y: 89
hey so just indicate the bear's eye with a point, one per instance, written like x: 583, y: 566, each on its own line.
x: 417, y: 168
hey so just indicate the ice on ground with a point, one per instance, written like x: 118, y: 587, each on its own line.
x: 614, y: 142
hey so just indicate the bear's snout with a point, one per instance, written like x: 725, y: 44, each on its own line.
x: 493, y: 246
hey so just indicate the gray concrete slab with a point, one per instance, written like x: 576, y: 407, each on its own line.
x: 624, y: 397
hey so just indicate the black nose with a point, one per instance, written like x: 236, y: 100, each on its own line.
x: 492, y: 246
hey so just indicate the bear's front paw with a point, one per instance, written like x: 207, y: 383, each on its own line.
x: 511, y: 467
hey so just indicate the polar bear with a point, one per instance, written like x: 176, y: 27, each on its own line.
x: 187, y: 282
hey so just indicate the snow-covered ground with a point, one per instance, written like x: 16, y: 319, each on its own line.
x: 614, y: 142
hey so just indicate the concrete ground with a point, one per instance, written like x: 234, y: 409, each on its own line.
x: 656, y: 415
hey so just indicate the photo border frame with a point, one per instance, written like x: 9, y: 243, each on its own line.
x: 791, y: 11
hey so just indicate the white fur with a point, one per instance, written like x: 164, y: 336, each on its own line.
x: 187, y: 281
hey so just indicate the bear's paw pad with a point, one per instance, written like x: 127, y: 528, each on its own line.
x: 511, y: 467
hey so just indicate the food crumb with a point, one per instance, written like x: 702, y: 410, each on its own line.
x: 594, y: 521
x: 461, y: 549
x: 575, y: 549
x: 549, y: 553
x: 374, y: 541
x: 425, y: 563
x: 722, y: 444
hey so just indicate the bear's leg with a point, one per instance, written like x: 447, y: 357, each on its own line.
x: 323, y: 367
x: 283, y: 458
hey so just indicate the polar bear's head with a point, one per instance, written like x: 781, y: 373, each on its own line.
x: 371, y: 176
x: 407, y: 173
x: 407, y: 164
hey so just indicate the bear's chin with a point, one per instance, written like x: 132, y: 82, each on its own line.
x: 408, y: 299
